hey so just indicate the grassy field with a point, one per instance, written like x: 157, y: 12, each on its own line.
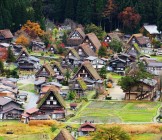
x: 113, y: 75
x: 26, y: 132
x: 147, y: 136
x: 109, y: 112
x: 26, y: 87
x: 158, y: 58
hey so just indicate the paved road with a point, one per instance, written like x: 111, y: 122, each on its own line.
x: 31, y: 101
x: 116, y: 92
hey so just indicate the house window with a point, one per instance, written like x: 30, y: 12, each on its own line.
x: 43, y: 70
x: 51, y: 98
x: 23, y: 54
x: 70, y: 54
x: 86, y: 40
x: 48, y: 102
x: 51, y: 48
x: 54, y: 102
x: 83, y: 71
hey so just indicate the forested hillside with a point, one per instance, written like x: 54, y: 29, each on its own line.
x: 101, y: 12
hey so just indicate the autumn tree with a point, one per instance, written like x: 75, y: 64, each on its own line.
x: 33, y: 29
x: 129, y: 18
x: 112, y: 133
x: 22, y: 40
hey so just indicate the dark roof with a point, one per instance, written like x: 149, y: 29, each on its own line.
x: 87, y: 49
x: 4, y: 101
x: 56, y: 94
x: 24, y: 50
x: 143, y: 40
x: 94, y: 40
x: 6, y: 33
x: 150, y: 82
x: 12, y: 108
x: 64, y: 135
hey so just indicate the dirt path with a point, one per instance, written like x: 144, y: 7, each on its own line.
x: 116, y: 92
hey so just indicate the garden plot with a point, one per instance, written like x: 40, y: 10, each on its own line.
x: 116, y: 112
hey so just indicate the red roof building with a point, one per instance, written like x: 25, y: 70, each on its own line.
x: 86, y: 128
x: 3, y: 53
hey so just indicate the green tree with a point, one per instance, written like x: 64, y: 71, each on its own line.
x: 10, y: 57
x: 71, y: 95
x: 112, y: 133
x: 159, y: 21
x: 103, y: 72
x: 67, y: 75
x: 102, y: 52
x: 127, y: 83
x: 84, y: 11
x: 64, y: 37
x: 116, y: 45
x: 1, y: 67
x: 70, y: 11
x: 95, y: 29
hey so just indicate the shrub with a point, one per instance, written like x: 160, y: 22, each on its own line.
x: 53, y: 128
x: 109, y: 85
x: 42, y: 122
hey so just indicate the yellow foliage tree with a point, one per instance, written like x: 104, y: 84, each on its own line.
x: 22, y: 40
x: 33, y: 29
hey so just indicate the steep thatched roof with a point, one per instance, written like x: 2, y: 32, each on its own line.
x: 64, y: 135
x: 6, y: 33
x: 91, y: 70
x: 24, y: 50
x: 94, y: 40
x: 74, y: 52
x: 82, y: 83
x: 55, y: 93
x: 58, y: 65
x: 76, y: 41
x: 48, y: 69
x: 87, y: 49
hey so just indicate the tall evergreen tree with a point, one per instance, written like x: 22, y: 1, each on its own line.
x: 159, y: 21
x: 70, y: 11
x: 84, y: 11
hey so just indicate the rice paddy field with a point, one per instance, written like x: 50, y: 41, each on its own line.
x: 117, y: 112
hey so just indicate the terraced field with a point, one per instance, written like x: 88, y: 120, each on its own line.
x: 116, y: 112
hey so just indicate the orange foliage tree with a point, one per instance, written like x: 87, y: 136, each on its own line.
x: 129, y: 18
x: 33, y: 29
x: 22, y: 40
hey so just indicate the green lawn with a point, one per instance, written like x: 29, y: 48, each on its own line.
x: 27, y: 87
x: 90, y: 94
x: 108, y: 112
x: 158, y: 58
x: 113, y: 75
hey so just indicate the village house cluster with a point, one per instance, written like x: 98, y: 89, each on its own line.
x: 82, y: 56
